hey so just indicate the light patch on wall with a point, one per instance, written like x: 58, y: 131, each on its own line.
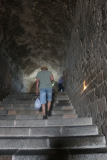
x: 84, y: 86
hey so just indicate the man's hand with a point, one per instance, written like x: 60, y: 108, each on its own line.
x: 37, y: 91
x: 37, y: 86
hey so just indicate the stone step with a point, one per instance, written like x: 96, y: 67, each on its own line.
x: 34, y: 95
x: 89, y: 156
x: 40, y: 116
x: 51, y: 142
x: 29, y: 102
x: 63, y: 112
x: 59, y: 156
x: 19, y: 99
x: 60, y: 97
x: 27, y: 107
x: 54, y: 154
x: 62, y: 101
x: 20, y: 112
x: 62, y: 108
x: 21, y: 94
x: 61, y: 104
x: 48, y: 131
x: 50, y: 122
x: 33, y: 101
x: 60, y: 93
x: 16, y: 108
x: 19, y: 102
x: 31, y: 107
x: 34, y: 112
x: 16, y: 105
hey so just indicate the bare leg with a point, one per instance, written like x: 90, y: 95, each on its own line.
x: 49, y: 105
x: 43, y: 109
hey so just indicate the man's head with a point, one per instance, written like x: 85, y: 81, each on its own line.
x: 44, y: 68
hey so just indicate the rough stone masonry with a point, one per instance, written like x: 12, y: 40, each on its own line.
x: 87, y: 61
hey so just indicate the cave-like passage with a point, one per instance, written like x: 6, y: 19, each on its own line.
x: 68, y: 36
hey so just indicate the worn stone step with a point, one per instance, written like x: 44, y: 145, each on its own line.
x: 49, y: 131
x: 7, y: 117
x: 62, y: 108
x: 66, y: 102
x: 19, y: 102
x: 48, y: 154
x: 27, y: 107
x: 31, y: 107
x: 88, y: 157
x: 34, y: 112
x: 63, y: 116
x: 62, y: 101
x: 50, y: 122
x: 19, y: 99
x: 16, y: 108
x: 2, y: 112
x: 60, y: 93
x: 52, y: 142
x: 21, y: 94
x: 36, y: 117
x: 63, y: 112
x: 60, y: 97
x: 59, y: 156
x: 61, y: 104
x: 20, y: 112
x: 16, y: 105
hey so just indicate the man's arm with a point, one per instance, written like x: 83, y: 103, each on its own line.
x: 37, y: 85
x: 52, y: 78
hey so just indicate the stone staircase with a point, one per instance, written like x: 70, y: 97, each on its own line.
x: 24, y: 135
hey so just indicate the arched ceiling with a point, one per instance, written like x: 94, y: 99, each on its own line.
x: 35, y: 33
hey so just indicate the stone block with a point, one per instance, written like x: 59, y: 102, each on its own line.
x: 23, y: 143
x: 77, y: 142
x: 11, y: 112
x: 45, y: 131
x: 70, y: 122
x: 31, y: 123
x: 7, y: 117
x: 13, y: 131
x: 54, y: 156
x: 6, y: 123
x: 4, y: 157
x: 70, y: 115
x: 91, y: 156
x: 77, y: 131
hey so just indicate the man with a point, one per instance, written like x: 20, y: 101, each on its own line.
x: 60, y: 85
x: 43, y: 81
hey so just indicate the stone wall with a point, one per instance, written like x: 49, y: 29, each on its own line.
x: 87, y: 60
x: 9, y: 79
x: 5, y: 79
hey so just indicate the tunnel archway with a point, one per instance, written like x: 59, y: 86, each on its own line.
x: 34, y: 33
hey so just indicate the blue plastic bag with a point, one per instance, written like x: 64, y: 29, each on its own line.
x: 37, y: 104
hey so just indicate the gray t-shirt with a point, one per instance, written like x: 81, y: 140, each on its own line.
x: 44, y: 79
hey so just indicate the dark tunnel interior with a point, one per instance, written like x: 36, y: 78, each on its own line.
x: 69, y: 37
